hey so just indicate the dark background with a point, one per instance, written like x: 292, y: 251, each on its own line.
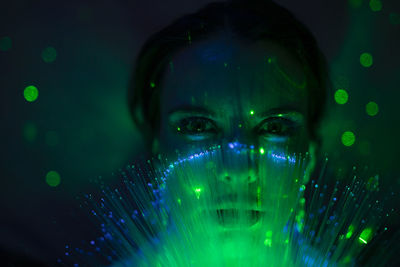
x: 80, y: 127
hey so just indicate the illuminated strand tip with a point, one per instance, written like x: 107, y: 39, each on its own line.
x: 31, y: 93
x: 251, y: 112
x: 350, y: 231
x: 49, y: 54
x: 152, y: 85
x: 53, y: 179
x: 30, y: 132
x: 375, y: 5
x: 348, y: 138
x: 365, y: 236
x: 366, y: 60
x: 355, y: 3
x: 197, y: 192
x: 372, y: 108
x: 262, y: 151
x: 394, y: 18
x: 5, y: 43
x: 341, y: 96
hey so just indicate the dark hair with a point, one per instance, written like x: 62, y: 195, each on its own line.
x: 247, y: 20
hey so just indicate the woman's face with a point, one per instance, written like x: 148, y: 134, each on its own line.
x: 222, y: 90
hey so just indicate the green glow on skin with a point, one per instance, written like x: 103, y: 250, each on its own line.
x: 341, y: 96
x: 5, y: 43
x: 372, y: 108
x: 49, y: 54
x: 53, y: 179
x: 375, y: 5
x: 31, y: 93
x: 286, y: 77
x: 348, y: 138
x: 366, y: 60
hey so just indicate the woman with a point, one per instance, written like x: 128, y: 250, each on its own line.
x: 236, y: 72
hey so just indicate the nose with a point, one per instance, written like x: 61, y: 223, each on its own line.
x: 243, y: 177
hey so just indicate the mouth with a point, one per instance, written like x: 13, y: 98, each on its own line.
x: 237, y: 218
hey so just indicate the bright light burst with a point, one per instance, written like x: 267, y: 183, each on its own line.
x: 231, y: 206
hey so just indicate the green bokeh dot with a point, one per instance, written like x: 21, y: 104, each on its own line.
x: 49, y: 54
x: 5, y: 43
x: 29, y: 131
x: 341, y: 96
x: 372, y: 108
x: 348, y: 138
x: 366, y: 60
x: 53, y: 178
x: 355, y: 3
x: 31, y: 93
x: 375, y: 5
x: 394, y: 18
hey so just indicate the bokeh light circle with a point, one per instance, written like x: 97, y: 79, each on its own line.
x: 372, y: 108
x: 348, y: 138
x: 31, y: 93
x: 375, y: 5
x: 341, y: 96
x: 53, y: 179
x: 49, y: 54
x: 5, y: 43
x: 366, y: 60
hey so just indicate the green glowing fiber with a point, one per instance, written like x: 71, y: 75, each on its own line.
x: 49, y: 54
x: 350, y: 231
x: 365, y: 236
x: 366, y: 60
x: 53, y: 178
x: 31, y: 93
x: 394, y: 18
x: 30, y: 132
x: 348, y: 138
x: 262, y: 151
x: 355, y: 3
x: 375, y: 5
x: 5, y: 43
x: 341, y: 96
x: 372, y: 108
x: 197, y: 192
x: 251, y: 112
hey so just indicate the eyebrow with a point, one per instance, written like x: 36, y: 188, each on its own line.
x: 283, y: 111
x: 195, y: 110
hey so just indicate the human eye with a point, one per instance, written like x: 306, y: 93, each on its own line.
x: 196, y: 128
x: 277, y: 128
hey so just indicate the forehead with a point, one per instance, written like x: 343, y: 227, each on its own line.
x: 229, y: 74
